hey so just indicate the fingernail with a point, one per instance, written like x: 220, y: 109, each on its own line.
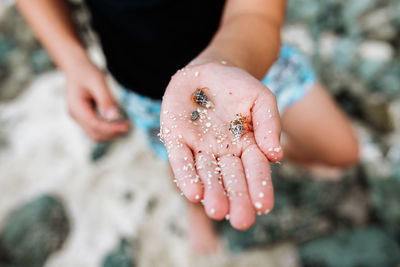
x: 112, y: 114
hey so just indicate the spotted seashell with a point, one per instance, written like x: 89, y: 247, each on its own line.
x: 201, y: 98
x: 237, y: 127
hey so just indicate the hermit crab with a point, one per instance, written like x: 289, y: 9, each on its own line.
x: 199, y: 97
x: 239, y: 126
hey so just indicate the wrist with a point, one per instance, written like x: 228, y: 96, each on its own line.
x: 72, y: 61
x: 235, y: 57
x: 80, y: 67
x: 211, y: 55
x: 243, y: 46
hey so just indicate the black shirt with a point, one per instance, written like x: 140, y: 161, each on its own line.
x: 146, y: 41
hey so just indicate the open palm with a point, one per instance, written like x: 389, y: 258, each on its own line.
x: 230, y: 173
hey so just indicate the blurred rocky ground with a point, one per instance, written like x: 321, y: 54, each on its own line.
x: 354, y: 47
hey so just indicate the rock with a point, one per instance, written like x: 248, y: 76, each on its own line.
x: 21, y: 55
x: 352, y: 12
x: 298, y: 36
x: 377, y: 23
x: 280, y: 255
x: 376, y: 112
x: 6, y: 46
x: 374, y: 165
x: 302, y: 10
x: 380, y: 164
x: 375, y: 57
x: 346, y: 53
x: 395, y: 114
x: 385, y: 200
x: 368, y: 248
x: 122, y: 256
x: 349, y: 103
x: 388, y: 82
x: 41, y: 61
x: 354, y: 207
x: 327, y: 44
x: 33, y: 232
x: 304, y: 209
x: 370, y: 70
x: 100, y: 150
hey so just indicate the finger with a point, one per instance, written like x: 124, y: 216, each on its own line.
x: 258, y: 174
x: 241, y: 209
x: 84, y: 113
x: 267, y: 129
x: 183, y: 167
x: 215, y: 200
x: 104, y: 100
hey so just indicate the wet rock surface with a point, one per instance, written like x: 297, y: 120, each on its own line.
x: 33, y: 231
x: 122, y: 256
x: 21, y: 56
x: 365, y: 247
x: 305, y: 209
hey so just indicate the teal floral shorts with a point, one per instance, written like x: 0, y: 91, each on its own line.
x: 290, y: 78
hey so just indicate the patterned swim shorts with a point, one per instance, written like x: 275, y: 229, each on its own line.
x: 290, y: 78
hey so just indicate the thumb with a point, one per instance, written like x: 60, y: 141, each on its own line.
x: 105, y: 101
x: 267, y: 128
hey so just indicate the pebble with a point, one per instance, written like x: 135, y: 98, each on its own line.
x: 195, y: 115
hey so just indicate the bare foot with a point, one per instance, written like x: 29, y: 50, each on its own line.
x: 201, y: 232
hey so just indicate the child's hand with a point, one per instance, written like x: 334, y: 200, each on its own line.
x: 235, y: 172
x: 86, y: 90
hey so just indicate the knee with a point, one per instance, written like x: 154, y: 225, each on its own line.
x: 346, y: 154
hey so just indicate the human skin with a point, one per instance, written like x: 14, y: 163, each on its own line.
x: 248, y: 39
x: 207, y: 148
x: 238, y: 181
x: 87, y: 89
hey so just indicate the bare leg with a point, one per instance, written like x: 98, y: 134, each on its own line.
x: 201, y: 233
x: 318, y: 133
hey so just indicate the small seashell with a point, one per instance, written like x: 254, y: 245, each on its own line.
x: 199, y: 97
x: 195, y: 115
x: 238, y: 126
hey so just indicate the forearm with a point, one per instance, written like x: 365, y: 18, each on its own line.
x: 53, y: 25
x: 248, y: 37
